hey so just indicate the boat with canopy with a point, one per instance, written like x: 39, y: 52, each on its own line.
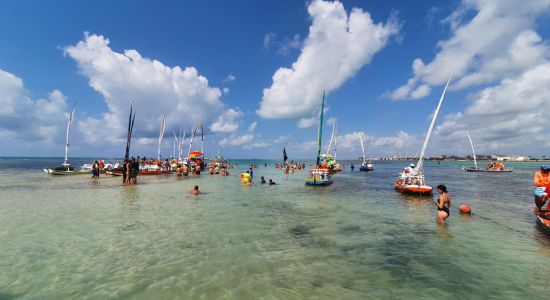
x: 412, y: 180
x: 320, y: 175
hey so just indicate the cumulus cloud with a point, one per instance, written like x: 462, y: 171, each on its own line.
x: 181, y: 93
x: 307, y: 122
x: 237, y: 140
x: 26, y: 121
x: 497, y: 42
x: 337, y: 46
x: 349, y: 145
x: 227, y: 122
x: 510, y: 116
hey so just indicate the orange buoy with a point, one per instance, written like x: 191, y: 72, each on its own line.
x: 465, y: 209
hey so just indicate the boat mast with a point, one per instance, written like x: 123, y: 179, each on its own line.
x: 182, y: 140
x: 473, y: 151
x: 320, y: 132
x: 131, y: 121
x: 430, y: 130
x: 69, y: 123
x: 161, y: 134
x: 191, y: 143
x: 362, y: 147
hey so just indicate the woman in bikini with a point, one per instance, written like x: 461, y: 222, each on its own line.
x: 443, y: 203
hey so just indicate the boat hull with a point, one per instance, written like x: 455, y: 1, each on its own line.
x: 543, y: 221
x: 487, y: 171
x: 413, y: 188
x: 366, y: 169
x: 311, y: 182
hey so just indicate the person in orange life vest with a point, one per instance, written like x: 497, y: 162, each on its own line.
x: 542, y: 180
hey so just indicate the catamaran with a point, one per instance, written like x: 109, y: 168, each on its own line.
x: 320, y: 175
x: 366, y: 165
x: 412, y: 180
x: 66, y: 168
x: 495, y: 167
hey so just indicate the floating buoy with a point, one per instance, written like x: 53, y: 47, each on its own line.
x: 465, y: 209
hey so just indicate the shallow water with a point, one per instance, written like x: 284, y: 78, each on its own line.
x: 74, y: 237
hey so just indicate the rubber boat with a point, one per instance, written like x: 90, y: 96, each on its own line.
x: 413, y: 182
x: 319, y: 176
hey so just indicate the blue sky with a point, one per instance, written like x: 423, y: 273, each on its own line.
x: 53, y: 54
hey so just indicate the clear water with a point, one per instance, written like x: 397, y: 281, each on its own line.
x: 77, y: 238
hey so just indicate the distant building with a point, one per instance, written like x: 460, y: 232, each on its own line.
x: 511, y: 158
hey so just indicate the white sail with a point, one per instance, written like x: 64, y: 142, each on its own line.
x: 331, y: 138
x: 69, y: 124
x: 362, y: 148
x: 335, y: 133
x: 473, y: 151
x: 191, y: 142
x: 182, y: 141
x: 161, y: 134
x: 430, y: 130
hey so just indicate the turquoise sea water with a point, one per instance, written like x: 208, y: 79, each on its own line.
x: 77, y: 238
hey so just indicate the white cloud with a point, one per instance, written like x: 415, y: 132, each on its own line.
x: 227, y: 122
x: 497, y: 42
x: 337, y: 46
x: 225, y: 90
x: 252, y: 126
x: 289, y: 44
x: 508, y: 117
x: 332, y: 121
x: 307, y: 122
x: 282, y: 139
x: 230, y: 77
x: 180, y: 93
x: 237, y: 140
x: 24, y: 122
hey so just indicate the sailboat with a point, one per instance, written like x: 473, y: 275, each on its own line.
x: 320, y: 176
x: 366, y: 165
x: 492, y: 168
x: 118, y: 171
x: 413, y: 181
x: 66, y: 168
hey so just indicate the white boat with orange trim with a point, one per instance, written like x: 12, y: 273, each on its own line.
x: 412, y: 179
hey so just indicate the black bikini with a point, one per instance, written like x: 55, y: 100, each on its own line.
x: 445, y: 209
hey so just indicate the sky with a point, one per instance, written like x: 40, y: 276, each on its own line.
x: 253, y: 74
